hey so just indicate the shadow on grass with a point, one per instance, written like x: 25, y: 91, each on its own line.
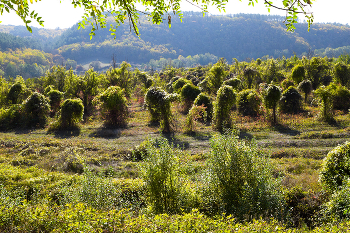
x: 198, y: 136
x: 66, y: 133
x: 106, y: 132
x: 177, y: 143
x: 245, y: 135
x: 285, y: 130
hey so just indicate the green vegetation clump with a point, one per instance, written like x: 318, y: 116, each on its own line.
x: 271, y: 99
x: 241, y: 181
x: 113, y: 105
x: 204, y: 100
x: 235, y: 83
x: 55, y: 98
x: 188, y: 94
x: 71, y: 113
x: 15, y: 94
x: 248, y: 102
x: 225, y: 100
x: 290, y: 101
x: 36, y: 110
x: 306, y: 87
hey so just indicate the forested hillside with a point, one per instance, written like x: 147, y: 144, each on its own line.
x: 238, y: 36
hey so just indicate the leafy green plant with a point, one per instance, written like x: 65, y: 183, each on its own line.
x: 195, y: 113
x: 336, y: 167
x: 179, y: 83
x: 290, y: 101
x: 248, y: 102
x: 235, y: 83
x: 216, y: 75
x: 271, y: 99
x: 188, y: 94
x: 326, y: 94
x: 306, y: 87
x: 160, y: 174
x: 36, y: 109
x: 11, y: 117
x: 158, y: 103
x: 113, y: 105
x: 15, y: 94
x: 204, y: 100
x: 55, y: 98
x: 225, y: 99
x: 341, y: 74
x: 71, y: 113
x: 240, y: 180
x: 298, y: 73
x: 341, y: 98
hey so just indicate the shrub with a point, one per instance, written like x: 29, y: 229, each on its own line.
x: 225, y: 99
x: 36, y: 109
x: 158, y: 103
x: 326, y: 94
x: 72, y: 111
x: 216, y: 75
x: 12, y: 117
x: 336, y: 167
x: 273, y: 95
x: 179, y: 83
x: 160, y: 174
x: 204, y: 100
x: 341, y: 98
x: 286, y: 83
x: 14, y: 96
x: 338, y: 207
x: 298, y: 74
x: 341, y: 74
x: 55, y: 98
x: 241, y: 181
x: 235, y: 83
x: 113, y: 105
x: 248, y: 102
x: 290, y: 101
x: 195, y: 113
x: 188, y: 94
x: 306, y: 87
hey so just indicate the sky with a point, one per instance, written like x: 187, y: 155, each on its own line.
x: 62, y: 14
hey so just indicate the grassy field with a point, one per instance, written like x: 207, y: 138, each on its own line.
x: 39, y: 163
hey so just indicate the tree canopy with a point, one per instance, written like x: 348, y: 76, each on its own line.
x: 96, y: 12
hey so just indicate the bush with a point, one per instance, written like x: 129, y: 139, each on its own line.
x: 12, y: 117
x: 273, y: 95
x: 113, y: 105
x: 225, y: 99
x: 72, y: 111
x: 286, y: 83
x: 235, y: 83
x: 326, y: 94
x: 195, y: 113
x: 341, y: 98
x: 160, y: 174
x: 298, y: 74
x: 36, y: 109
x: 306, y: 87
x: 341, y: 74
x: 188, y: 94
x: 55, y: 98
x: 290, y: 101
x: 338, y: 207
x: 336, y: 167
x: 15, y: 94
x: 179, y: 83
x: 248, y: 102
x: 241, y: 181
x: 158, y: 103
x: 204, y: 100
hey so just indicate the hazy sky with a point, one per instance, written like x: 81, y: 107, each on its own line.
x: 64, y: 15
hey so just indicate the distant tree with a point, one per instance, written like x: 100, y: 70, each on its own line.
x: 306, y: 87
x: 271, y: 99
x: 298, y: 74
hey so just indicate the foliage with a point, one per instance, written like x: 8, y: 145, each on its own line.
x: 120, y: 77
x: 235, y: 83
x: 160, y: 174
x: 306, y: 87
x: 248, y: 102
x: 55, y: 98
x: 290, y: 101
x: 298, y: 73
x: 271, y: 99
x: 286, y: 83
x: 204, y: 100
x: 113, y: 105
x: 241, y: 181
x: 188, y: 94
x: 336, y: 168
x: 341, y: 74
x: 179, y: 83
x: 72, y: 111
x: 15, y: 94
x: 326, y: 94
x: 12, y: 117
x: 36, y: 109
x: 194, y: 114
x: 341, y: 98
x: 158, y: 103
x: 225, y: 99
x: 216, y: 76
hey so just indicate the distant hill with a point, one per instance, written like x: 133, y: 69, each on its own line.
x: 237, y: 36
